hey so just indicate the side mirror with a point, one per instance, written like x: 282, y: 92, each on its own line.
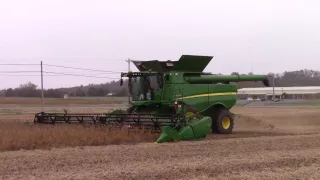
x: 121, y: 82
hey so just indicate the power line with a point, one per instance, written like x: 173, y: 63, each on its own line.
x: 51, y: 65
x: 80, y: 68
x: 40, y: 72
x: 3, y: 73
x: 19, y: 64
x: 78, y: 75
x: 19, y: 71
x: 26, y: 75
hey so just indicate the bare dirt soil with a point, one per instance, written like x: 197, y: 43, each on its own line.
x: 268, y: 143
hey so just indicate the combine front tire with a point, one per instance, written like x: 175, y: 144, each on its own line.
x: 223, y: 122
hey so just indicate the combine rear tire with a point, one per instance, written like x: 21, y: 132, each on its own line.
x: 223, y: 122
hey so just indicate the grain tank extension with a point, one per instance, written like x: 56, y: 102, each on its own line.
x: 176, y: 97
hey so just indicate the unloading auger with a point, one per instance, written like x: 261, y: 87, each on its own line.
x: 176, y: 97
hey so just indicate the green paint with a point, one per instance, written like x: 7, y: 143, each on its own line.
x: 194, y: 131
x: 160, y: 83
x: 224, y: 78
x: 203, y: 99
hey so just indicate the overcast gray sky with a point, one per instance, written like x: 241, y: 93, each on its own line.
x: 274, y: 35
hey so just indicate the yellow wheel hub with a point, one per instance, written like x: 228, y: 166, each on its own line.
x: 226, y: 123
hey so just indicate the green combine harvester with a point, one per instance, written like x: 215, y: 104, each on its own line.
x: 176, y: 97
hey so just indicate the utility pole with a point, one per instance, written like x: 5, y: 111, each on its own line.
x: 42, y: 96
x: 273, y: 87
x: 273, y: 96
x: 128, y: 61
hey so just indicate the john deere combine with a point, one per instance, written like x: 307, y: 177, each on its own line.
x: 176, y: 97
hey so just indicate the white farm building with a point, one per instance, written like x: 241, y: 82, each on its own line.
x: 297, y: 92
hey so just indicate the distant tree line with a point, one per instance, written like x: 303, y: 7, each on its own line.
x: 288, y: 79
x: 93, y: 90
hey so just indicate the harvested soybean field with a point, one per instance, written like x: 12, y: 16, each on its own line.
x: 267, y: 143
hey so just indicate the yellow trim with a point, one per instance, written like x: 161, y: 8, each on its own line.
x: 209, y: 94
x: 226, y: 123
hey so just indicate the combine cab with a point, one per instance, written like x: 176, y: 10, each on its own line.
x: 176, y: 97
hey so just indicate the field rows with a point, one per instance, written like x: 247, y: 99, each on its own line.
x: 267, y: 143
